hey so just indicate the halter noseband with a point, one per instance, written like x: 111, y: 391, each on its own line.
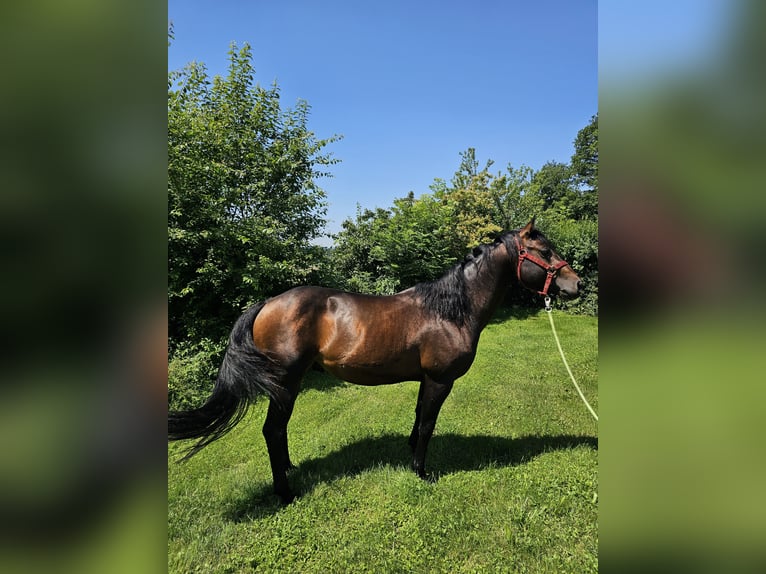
x: 551, y: 270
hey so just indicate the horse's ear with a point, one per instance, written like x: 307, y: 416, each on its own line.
x: 528, y: 228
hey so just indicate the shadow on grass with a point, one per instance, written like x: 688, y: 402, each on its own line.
x: 447, y: 454
x: 320, y: 380
x: 507, y: 313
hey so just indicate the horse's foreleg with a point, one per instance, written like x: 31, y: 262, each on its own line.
x: 432, y: 398
x: 275, y: 433
x: 413, y: 441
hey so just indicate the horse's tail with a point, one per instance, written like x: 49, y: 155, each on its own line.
x: 244, y: 373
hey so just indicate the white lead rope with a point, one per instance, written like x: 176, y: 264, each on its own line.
x: 548, y: 309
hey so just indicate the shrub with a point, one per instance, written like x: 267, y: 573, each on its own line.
x: 191, y: 374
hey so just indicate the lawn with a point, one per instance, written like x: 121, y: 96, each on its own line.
x: 514, y: 457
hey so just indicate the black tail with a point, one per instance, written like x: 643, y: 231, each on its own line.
x: 244, y: 373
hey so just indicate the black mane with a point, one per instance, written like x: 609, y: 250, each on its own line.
x: 447, y: 297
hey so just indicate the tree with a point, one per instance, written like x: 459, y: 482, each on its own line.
x: 584, y: 164
x: 243, y: 201
x: 469, y: 204
x: 418, y: 238
x: 585, y: 158
x: 359, y: 259
x: 384, y: 251
x: 514, y: 204
x: 553, y: 184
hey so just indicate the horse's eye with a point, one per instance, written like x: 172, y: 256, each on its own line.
x: 546, y: 253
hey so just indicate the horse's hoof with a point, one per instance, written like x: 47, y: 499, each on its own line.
x: 426, y: 477
x: 287, y: 498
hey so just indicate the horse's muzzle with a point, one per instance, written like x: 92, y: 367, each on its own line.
x: 568, y: 288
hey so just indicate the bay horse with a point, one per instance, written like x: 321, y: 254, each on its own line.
x: 427, y: 333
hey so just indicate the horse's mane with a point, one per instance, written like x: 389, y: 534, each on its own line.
x: 447, y: 296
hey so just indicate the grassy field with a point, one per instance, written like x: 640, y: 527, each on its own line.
x: 514, y: 454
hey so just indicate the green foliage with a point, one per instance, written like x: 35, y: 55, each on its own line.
x: 191, y: 373
x: 553, y: 184
x: 585, y: 171
x: 515, y: 204
x: 384, y: 251
x: 517, y: 475
x: 577, y: 241
x: 359, y: 258
x: 585, y: 158
x: 417, y: 239
x: 468, y: 205
x: 243, y: 204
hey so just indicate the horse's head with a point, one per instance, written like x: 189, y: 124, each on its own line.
x: 540, y: 268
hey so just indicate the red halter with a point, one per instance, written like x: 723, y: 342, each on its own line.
x: 551, y: 270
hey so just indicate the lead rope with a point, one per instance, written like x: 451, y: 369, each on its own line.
x: 548, y: 309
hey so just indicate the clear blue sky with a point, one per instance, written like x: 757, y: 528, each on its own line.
x: 641, y: 40
x: 411, y: 84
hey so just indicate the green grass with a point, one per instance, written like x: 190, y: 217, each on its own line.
x: 514, y: 454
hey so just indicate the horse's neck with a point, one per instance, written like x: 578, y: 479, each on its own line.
x: 488, y: 287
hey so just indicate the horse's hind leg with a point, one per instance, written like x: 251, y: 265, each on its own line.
x: 275, y: 433
x: 432, y: 398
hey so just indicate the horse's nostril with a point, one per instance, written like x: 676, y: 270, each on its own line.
x: 578, y: 285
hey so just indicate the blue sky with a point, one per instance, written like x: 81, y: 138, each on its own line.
x: 640, y: 41
x: 411, y: 84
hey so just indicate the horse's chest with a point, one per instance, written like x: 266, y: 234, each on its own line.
x: 447, y: 357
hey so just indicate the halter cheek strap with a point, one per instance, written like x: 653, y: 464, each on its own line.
x: 551, y: 270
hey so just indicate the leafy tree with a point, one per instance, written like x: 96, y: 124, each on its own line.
x: 384, y: 251
x: 359, y: 259
x: 468, y: 204
x: 585, y: 158
x: 514, y: 202
x: 417, y: 241
x: 243, y: 201
x: 553, y: 184
x: 584, y: 164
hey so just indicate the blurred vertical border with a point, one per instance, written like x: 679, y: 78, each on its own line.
x: 682, y: 244
x: 83, y: 288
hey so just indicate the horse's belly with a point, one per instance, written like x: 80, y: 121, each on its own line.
x: 374, y: 373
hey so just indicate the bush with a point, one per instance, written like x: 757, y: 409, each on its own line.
x: 577, y: 243
x: 191, y: 374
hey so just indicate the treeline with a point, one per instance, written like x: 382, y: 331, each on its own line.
x: 382, y: 251
x: 245, y: 211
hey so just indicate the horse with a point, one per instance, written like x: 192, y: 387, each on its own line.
x: 427, y: 333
